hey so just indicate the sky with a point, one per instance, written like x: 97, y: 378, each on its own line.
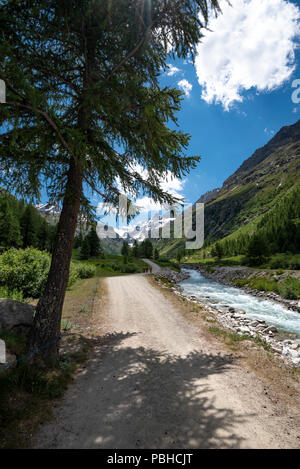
x: 238, y: 92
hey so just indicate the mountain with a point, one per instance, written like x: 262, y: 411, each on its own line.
x: 50, y: 211
x: 260, y: 183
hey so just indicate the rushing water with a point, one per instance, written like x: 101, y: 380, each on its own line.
x: 214, y: 293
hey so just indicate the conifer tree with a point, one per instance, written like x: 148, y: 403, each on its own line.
x: 135, y: 249
x: 29, y: 227
x: 10, y: 235
x: 85, y: 251
x: 94, y: 241
x: 82, y: 80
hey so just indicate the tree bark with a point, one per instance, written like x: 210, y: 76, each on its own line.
x: 45, y: 333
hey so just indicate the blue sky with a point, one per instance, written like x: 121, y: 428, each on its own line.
x: 238, y: 93
x: 225, y: 135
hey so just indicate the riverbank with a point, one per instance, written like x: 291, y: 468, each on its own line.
x: 235, y: 276
x: 285, y: 345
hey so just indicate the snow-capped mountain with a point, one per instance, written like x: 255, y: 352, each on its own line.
x: 147, y: 229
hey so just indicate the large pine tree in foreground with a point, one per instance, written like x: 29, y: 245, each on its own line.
x: 85, y: 107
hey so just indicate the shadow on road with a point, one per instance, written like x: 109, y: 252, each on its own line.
x: 142, y: 398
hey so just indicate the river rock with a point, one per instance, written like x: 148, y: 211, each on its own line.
x: 295, y: 346
x: 15, y: 315
x: 270, y: 329
x: 244, y: 329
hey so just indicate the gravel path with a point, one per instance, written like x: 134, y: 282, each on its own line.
x: 157, y: 382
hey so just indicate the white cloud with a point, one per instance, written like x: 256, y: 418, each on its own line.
x: 172, y: 70
x: 251, y: 45
x: 169, y: 184
x: 185, y: 86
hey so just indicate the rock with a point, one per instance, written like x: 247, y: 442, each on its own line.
x: 295, y: 346
x: 296, y: 361
x: 270, y: 329
x: 15, y: 315
x: 254, y: 323
x: 244, y: 329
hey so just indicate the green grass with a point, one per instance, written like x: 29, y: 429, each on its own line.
x: 232, y: 339
x: 214, y: 261
x: 171, y: 264
x: 111, y: 265
x: 283, y: 261
x: 289, y: 288
x: 26, y: 392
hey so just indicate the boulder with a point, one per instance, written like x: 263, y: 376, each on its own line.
x: 270, y: 329
x: 15, y: 315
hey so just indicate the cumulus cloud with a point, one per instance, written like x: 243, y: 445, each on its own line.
x: 251, y: 45
x: 169, y: 184
x: 172, y: 70
x: 185, y: 86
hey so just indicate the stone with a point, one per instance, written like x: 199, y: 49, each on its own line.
x: 296, y: 361
x: 295, y: 346
x: 244, y: 329
x: 15, y: 315
x: 270, y: 329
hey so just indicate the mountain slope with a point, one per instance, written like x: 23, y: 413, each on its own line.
x: 254, y: 189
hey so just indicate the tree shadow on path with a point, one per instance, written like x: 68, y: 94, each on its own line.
x: 143, y: 398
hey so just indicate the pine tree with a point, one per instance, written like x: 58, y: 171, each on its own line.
x: 156, y: 254
x: 258, y: 249
x: 80, y: 76
x: 95, y: 246
x: 10, y: 235
x: 124, y: 250
x: 135, y: 249
x: 219, y: 251
x: 43, y: 235
x: 29, y: 227
x: 85, y: 251
x: 146, y: 249
x: 78, y: 240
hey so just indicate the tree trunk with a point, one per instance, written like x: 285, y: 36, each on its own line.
x: 45, y: 333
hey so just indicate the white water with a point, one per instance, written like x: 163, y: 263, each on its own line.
x: 221, y: 295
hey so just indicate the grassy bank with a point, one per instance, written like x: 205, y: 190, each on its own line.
x: 287, y: 261
x: 288, y: 288
x: 112, y: 264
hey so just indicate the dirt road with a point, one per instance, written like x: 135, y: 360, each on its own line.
x: 157, y: 382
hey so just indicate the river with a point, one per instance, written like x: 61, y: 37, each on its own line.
x: 216, y: 294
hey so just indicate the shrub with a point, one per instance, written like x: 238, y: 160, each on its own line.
x: 73, y: 274
x: 290, y: 289
x: 128, y: 269
x: 85, y: 270
x: 24, y: 270
x: 14, y: 294
x: 23, y: 273
x: 80, y: 270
